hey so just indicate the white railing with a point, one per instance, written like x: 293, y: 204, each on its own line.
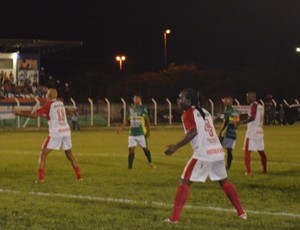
x: 212, y: 107
x: 124, y: 111
x: 113, y: 113
x: 170, y: 111
x: 108, y: 112
x: 155, y: 111
x: 92, y: 111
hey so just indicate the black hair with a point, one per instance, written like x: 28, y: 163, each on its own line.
x: 196, y: 99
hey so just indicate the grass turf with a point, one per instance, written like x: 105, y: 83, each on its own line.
x: 113, y: 197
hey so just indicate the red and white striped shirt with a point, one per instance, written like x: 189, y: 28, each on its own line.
x: 55, y: 113
x: 255, y: 127
x: 206, y: 144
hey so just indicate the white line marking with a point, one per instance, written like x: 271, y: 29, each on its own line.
x: 152, y: 203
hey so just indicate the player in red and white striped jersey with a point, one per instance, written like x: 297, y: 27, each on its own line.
x: 254, y: 139
x: 208, y: 154
x: 59, y: 132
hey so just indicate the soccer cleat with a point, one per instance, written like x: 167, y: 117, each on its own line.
x: 152, y: 165
x: 243, y: 216
x: 168, y: 220
x: 248, y: 173
x: 80, y: 180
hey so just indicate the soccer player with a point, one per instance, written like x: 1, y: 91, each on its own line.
x: 139, y: 131
x: 228, y: 131
x: 208, y: 154
x: 254, y: 139
x: 59, y: 132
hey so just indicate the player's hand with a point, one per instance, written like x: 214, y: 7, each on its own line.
x: 170, y: 150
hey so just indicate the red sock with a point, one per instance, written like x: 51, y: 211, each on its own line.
x: 77, y: 172
x: 180, y: 199
x: 247, y: 162
x: 40, y: 174
x: 233, y: 196
x: 263, y: 160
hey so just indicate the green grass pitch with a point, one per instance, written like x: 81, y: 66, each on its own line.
x: 113, y: 197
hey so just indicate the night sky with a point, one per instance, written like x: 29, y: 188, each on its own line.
x: 226, y: 33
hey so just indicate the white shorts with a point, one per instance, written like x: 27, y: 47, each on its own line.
x: 57, y: 143
x: 254, y: 144
x: 198, y: 170
x: 134, y: 141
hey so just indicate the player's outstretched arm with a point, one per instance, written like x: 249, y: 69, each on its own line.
x: 26, y: 114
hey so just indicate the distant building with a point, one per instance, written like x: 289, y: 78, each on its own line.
x: 21, y: 69
x: 20, y: 59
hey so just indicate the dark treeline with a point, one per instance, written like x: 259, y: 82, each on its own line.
x: 88, y: 81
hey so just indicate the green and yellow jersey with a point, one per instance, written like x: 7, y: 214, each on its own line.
x: 231, y: 114
x: 137, y: 116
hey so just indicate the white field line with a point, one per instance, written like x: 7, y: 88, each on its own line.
x: 151, y: 203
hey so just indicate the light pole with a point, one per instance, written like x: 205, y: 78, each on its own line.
x: 120, y: 59
x: 168, y: 31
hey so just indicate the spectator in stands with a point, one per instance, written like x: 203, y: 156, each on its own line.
x: 6, y: 85
x: 25, y: 65
x: 11, y: 77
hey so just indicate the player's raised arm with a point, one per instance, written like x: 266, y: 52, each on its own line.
x: 26, y: 114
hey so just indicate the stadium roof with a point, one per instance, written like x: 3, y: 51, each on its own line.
x: 37, y: 46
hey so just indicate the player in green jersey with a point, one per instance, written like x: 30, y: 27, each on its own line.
x: 228, y: 131
x: 138, y: 119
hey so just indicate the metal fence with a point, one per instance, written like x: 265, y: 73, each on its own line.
x: 105, y: 113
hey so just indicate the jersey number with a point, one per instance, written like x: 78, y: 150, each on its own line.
x: 208, y: 128
x: 61, y: 114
